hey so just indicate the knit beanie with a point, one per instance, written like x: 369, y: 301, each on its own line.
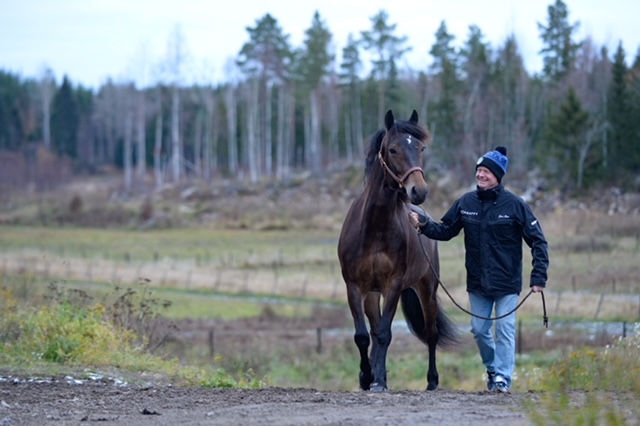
x: 496, y: 161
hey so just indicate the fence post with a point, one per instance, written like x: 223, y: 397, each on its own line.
x: 275, y: 278
x: 558, y: 302
x: 212, y: 342
x: 319, y: 340
x: 599, y: 306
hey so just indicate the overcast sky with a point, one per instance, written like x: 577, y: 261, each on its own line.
x: 91, y: 40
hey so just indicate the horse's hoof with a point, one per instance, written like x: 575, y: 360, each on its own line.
x: 378, y: 388
x: 432, y: 386
x: 365, y: 381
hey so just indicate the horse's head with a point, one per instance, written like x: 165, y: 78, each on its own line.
x: 400, y: 155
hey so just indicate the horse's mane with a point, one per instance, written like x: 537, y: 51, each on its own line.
x: 400, y: 126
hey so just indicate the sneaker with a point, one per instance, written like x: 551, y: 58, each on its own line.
x: 501, y: 384
x: 491, y: 381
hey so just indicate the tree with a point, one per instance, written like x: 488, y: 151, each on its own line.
x: 571, y: 138
x: 313, y: 66
x: 266, y: 60
x: 559, y: 51
x: 350, y: 81
x: 634, y: 88
x: 387, y: 49
x: 623, y: 138
x: 515, y: 112
x: 175, y: 60
x: 12, y: 128
x: 65, y: 121
x: 476, y: 121
x: 444, y: 110
x: 47, y: 89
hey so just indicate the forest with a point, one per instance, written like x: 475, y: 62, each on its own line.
x: 290, y: 109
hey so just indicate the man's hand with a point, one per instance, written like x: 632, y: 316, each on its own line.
x: 417, y: 216
x: 414, y: 220
x: 537, y: 289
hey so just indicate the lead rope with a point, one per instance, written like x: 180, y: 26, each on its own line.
x: 545, y: 318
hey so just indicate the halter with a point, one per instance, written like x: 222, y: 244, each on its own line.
x: 404, y: 177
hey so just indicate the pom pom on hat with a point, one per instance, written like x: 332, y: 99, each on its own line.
x: 496, y: 161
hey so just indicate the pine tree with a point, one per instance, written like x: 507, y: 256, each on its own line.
x: 559, y: 51
x: 444, y: 113
x: 477, y: 109
x: 12, y: 128
x: 313, y: 66
x: 569, y: 142
x: 387, y: 49
x: 621, y: 145
x: 351, y: 84
x: 65, y: 121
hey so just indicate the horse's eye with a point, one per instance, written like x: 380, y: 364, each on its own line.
x: 393, y: 151
x: 423, y: 148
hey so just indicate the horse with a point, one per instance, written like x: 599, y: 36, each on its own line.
x: 383, y: 257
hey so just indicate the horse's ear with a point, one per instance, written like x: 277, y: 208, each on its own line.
x: 414, y: 117
x: 389, y: 120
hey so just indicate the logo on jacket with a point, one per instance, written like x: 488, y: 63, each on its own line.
x: 503, y: 216
x: 469, y: 213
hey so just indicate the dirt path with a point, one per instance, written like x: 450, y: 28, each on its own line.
x: 64, y: 402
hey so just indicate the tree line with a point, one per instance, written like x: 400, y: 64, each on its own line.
x: 286, y: 109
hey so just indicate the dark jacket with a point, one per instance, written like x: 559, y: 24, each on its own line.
x: 495, y: 222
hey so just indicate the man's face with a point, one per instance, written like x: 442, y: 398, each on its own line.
x: 485, y: 178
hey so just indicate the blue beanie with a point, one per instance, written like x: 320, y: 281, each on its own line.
x: 496, y: 161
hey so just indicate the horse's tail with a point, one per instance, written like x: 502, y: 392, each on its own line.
x: 413, y: 313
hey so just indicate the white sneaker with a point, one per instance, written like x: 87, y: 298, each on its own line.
x: 501, y: 384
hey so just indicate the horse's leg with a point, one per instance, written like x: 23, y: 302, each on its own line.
x: 431, y: 315
x: 361, y: 336
x: 383, y: 340
x: 432, y: 372
x: 372, y: 311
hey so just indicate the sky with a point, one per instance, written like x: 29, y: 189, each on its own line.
x: 91, y: 41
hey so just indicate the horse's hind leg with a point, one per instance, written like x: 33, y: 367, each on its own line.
x: 361, y: 336
x: 432, y: 372
x: 431, y: 338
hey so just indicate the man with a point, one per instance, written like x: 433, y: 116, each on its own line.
x: 495, y: 222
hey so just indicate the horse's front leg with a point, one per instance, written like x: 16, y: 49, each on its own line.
x: 361, y: 336
x: 383, y: 340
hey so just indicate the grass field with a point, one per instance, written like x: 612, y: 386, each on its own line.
x: 594, y: 271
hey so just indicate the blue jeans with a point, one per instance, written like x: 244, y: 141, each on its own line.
x: 499, y: 354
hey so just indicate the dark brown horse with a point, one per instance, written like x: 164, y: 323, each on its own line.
x: 382, y: 255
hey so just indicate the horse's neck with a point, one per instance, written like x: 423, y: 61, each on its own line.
x: 381, y: 205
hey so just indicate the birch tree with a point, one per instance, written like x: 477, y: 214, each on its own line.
x: 175, y: 61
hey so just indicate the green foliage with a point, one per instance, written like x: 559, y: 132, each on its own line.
x: 314, y: 62
x: 623, y: 112
x: 71, y: 331
x: 13, y: 103
x: 65, y: 121
x: 571, y: 154
x: 386, y: 49
x: 268, y: 53
x: 610, y: 377
x: 559, y: 51
x: 444, y: 110
x: 615, y: 368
